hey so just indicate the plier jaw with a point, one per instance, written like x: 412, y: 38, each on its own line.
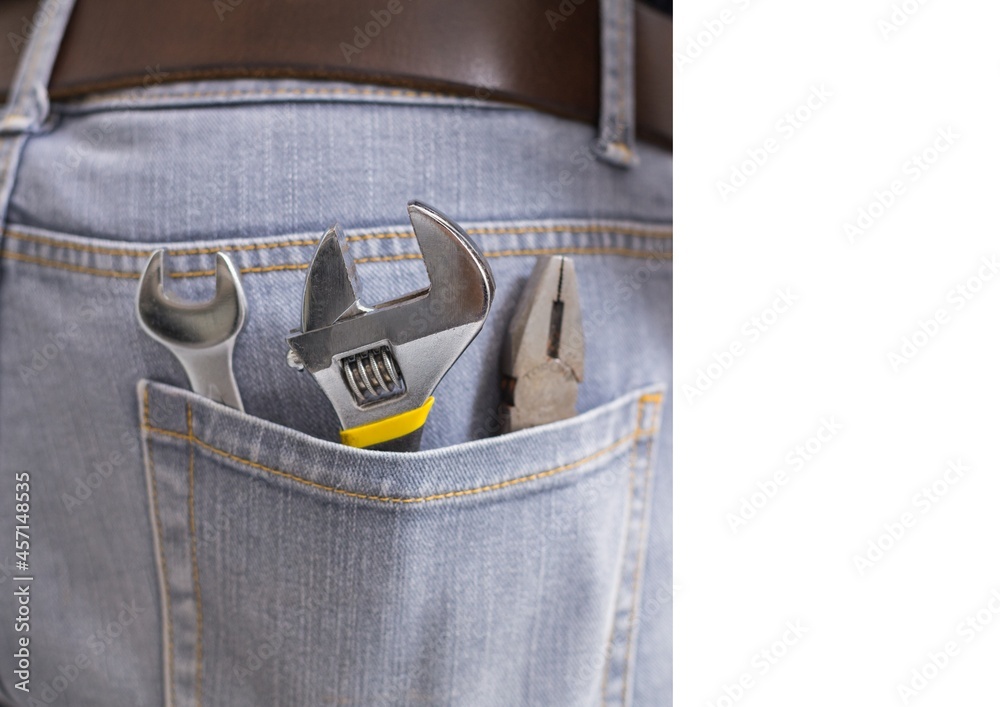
x: 542, y: 360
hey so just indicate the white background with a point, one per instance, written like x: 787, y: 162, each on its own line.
x: 893, y: 87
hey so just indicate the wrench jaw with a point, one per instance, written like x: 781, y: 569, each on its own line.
x: 201, y: 335
x: 461, y: 280
x: 332, y: 288
x: 417, y: 337
x: 194, y: 325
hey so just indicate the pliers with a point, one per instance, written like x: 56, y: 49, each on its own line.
x: 542, y: 359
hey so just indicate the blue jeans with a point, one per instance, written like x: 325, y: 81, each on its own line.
x: 185, y: 553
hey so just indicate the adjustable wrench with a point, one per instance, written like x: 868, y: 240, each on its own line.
x: 380, y: 365
x: 201, y: 336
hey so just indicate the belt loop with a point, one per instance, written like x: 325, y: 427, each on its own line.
x: 616, y: 138
x: 28, y: 101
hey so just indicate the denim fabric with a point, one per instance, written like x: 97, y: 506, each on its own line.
x: 129, y: 168
x: 480, y: 574
x: 196, y: 555
x: 616, y: 130
x: 27, y: 100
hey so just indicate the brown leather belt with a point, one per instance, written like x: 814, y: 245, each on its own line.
x: 538, y: 53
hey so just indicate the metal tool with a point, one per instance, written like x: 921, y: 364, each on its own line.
x: 380, y: 365
x: 542, y: 359
x: 201, y: 335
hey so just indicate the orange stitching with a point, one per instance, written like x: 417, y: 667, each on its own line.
x: 597, y: 250
x: 388, y: 234
x: 163, y: 557
x: 389, y: 258
x: 646, y: 254
x: 170, y: 433
x: 195, y: 580
x: 134, y: 275
x: 635, y: 434
x: 180, y: 435
x: 102, y: 250
x: 68, y: 266
x: 654, y: 254
x: 640, y: 553
x: 653, y: 232
x: 485, y: 230
x: 244, y: 271
x: 640, y: 409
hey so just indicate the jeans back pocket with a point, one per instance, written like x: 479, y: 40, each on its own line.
x: 302, y: 572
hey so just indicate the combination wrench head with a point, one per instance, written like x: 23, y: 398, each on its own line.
x: 377, y: 362
x: 201, y: 335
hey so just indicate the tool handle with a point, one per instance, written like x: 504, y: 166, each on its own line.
x: 399, y: 433
x: 210, y: 372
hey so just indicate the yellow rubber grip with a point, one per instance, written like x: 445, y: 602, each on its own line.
x: 387, y: 429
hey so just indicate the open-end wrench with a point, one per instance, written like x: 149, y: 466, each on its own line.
x: 380, y: 365
x: 542, y: 359
x: 200, y: 335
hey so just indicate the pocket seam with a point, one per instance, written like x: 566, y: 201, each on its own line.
x: 645, y: 402
x: 195, y: 576
x: 167, y: 608
x: 640, y: 560
x: 191, y: 437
